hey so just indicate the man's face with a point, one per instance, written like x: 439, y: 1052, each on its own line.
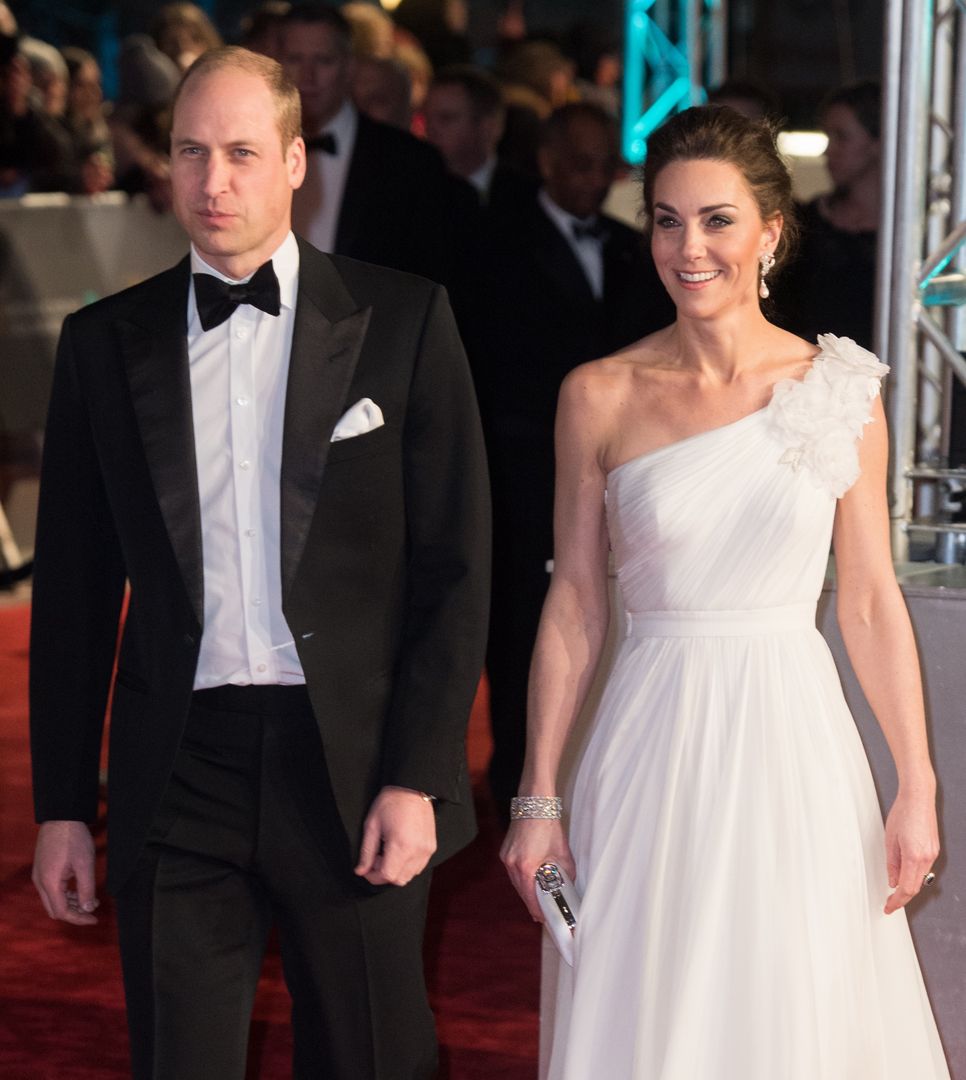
x: 463, y: 138
x: 381, y: 93
x: 231, y: 181
x: 579, y: 169
x: 315, y: 60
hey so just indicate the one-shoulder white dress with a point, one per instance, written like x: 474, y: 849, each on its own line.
x: 727, y: 835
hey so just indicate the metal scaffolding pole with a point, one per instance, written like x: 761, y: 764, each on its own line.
x: 673, y: 51
x: 921, y: 237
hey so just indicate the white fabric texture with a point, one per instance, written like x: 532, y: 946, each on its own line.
x: 728, y: 839
x: 239, y: 372
x: 363, y: 417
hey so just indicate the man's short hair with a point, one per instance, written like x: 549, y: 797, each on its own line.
x: 263, y: 19
x: 482, y: 89
x: 288, y: 105
x: 322, y: 15
x: 556, y: 127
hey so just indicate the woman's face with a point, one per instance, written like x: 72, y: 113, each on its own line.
x: 707, y: 237
x: 852, y: 152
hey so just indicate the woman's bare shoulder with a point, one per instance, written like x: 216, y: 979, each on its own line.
x: 788, y: 350
x: 610, y: 377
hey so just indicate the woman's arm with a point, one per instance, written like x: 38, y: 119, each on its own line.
x: 573, y: 624
x: 878, y: 636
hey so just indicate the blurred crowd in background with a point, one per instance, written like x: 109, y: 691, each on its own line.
x: 414, y: 70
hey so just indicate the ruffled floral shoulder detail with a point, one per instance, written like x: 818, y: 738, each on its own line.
x: 819, y: 419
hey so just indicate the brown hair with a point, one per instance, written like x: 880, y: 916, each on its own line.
x: 719, y: 133
x: 481, y: 88
x: 184, y: 16
x: 288, y: 106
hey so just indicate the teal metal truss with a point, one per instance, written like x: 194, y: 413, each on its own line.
x: 673, y: 48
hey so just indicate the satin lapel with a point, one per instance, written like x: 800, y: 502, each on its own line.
x: 358, y: 179
x: 155, y: 349
x: 328, y: 336
x: 619, y: 258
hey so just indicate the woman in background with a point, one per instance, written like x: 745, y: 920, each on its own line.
x: 831, y: 285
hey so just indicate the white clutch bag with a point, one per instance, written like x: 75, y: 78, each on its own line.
x: 560, y: 905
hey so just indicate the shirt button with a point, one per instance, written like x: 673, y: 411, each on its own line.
x: 242, y: 400
x: 256, y: 601
x: 245, y: 464
x: 249, y: 532
x: 241, y: 334
x: 262, y: 667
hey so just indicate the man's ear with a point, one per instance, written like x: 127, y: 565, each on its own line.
x: 494, y: 126
x: 295, y: 159
x: 546, y: 160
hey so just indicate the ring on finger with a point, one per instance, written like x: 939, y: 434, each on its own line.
x: 928, y: 879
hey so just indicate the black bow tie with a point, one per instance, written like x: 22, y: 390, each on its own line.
x: 595, y: 229
x: 324, y: 142
x: 217, y: 300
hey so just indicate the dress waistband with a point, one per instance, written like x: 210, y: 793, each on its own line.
x: 771, y: 620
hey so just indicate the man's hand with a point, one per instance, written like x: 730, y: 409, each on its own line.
x: 398, y: 838
x: 65, y: 854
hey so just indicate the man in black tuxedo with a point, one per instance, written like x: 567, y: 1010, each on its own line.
x: 568, y: 284
x: 371, y: 191
x: 279, y: 451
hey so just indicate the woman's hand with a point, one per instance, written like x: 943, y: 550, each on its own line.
x: 529, y: 843
x: 912, y: 846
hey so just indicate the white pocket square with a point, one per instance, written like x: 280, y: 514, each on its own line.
x: 364, y: 416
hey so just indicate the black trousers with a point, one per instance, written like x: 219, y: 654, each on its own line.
x: 248, y: 837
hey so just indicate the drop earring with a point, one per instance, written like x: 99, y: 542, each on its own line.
x: 765, y: 261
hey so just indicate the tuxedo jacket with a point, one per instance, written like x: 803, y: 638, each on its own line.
x: 511, y: 192
x: 392, y: 209
x: 384, y: 542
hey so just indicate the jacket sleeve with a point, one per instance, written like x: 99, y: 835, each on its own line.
x: 77, y: 592
x: 448, y: 572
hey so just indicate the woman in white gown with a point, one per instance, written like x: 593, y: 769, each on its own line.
x: 741, y: 903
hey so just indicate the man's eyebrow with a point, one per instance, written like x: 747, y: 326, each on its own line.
x: 186, y: 140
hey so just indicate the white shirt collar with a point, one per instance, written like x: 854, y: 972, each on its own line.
x: 343, y: 126
x: 483, y: 177
x: 560, y: 217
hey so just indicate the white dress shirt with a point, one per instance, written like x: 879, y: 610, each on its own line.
x: 321, y: 228
x: 588, y: 250
x: 482, y: 179
x: 239, y: 374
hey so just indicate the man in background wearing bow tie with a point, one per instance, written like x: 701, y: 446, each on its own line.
x: 279, y: 452
x: 570, y: 284
x: 371, y: 191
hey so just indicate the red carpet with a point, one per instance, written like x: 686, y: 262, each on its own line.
x: 61, y: 1005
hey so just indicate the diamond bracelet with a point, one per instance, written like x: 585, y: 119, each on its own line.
x: 548, y: 807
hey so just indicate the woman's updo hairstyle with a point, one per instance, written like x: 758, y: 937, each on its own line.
x: 719, y: 133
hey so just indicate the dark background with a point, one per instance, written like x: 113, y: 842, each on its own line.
x: 800, y: 48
